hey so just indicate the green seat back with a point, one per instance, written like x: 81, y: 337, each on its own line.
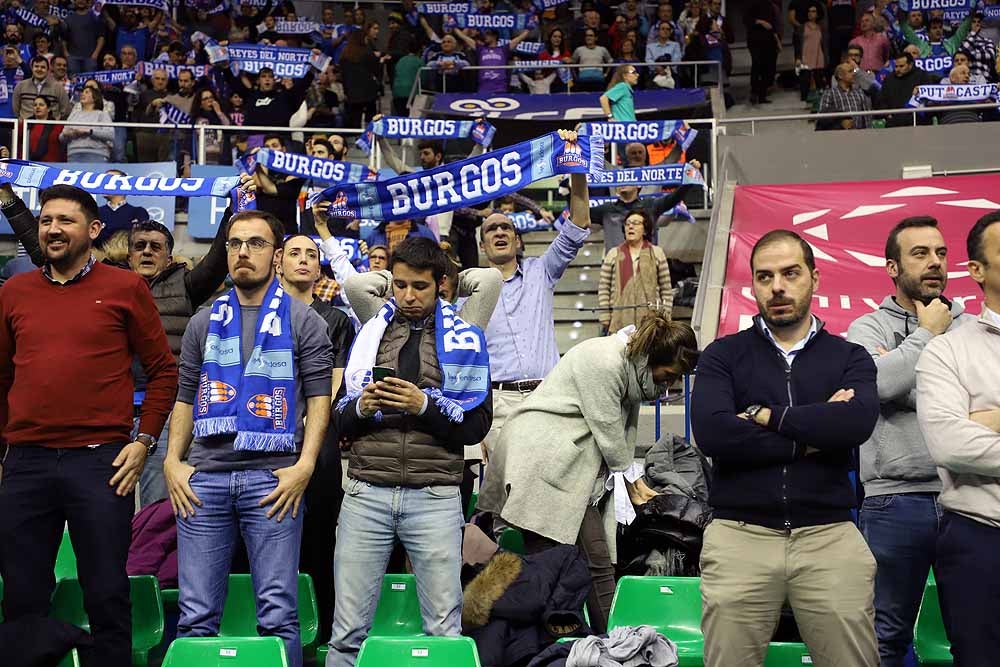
x: 418, y: 652
x: 398, y: 610
x: 471, y: 509
x: 239, y: 615
x: 672, y: 605
x: 930, y: 642
x: 71, y: 659
x: 226, y: 652
x: 512, y: 540
x: 787, y: 654
x: 147, y: 612
x: 321, y: 655
x: 65, y: 559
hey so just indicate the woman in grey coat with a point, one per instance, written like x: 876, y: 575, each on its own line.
x: 557, y: 447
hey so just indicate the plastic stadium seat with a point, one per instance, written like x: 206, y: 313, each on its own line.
x: 512, y: 540
x: 930, y: 642
x: 398, y: 610
x: 226, y: 652
x: 147, y: 612
x: 239, y: 616
x: 321, y: 655
x: 65, y: 559
x: 418, y: 652
x: 787, y: 654
x: 72, y: 659
x: 672, y: 605
x: 471, y: 509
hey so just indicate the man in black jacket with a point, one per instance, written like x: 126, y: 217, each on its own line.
x: 899, y: 88
x: 781, y: 408
x: 177, y: 291
x: 269, y: 103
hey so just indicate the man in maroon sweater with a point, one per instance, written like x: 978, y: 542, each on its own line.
x: 68, y: 332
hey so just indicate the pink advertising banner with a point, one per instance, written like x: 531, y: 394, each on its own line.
x: 847, y: 224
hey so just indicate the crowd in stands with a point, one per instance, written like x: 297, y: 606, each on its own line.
x: 878, y: 57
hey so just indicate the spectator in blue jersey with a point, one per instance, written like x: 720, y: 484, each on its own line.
x: 447, y: 64
x: 489, y: 53
x: 133, y: 31
x: 935, y: 43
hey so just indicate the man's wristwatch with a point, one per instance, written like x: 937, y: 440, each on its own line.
x: 147, y: 440
x: 752, y: 411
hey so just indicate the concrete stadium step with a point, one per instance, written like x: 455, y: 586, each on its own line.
x: 579, y: 280
x: 575, y: 307
x: 569, y: 334
x: 591, y: 254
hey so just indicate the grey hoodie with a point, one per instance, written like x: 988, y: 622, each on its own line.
x: 895, y: 458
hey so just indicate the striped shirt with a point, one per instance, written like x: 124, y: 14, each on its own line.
x: 836, y: 99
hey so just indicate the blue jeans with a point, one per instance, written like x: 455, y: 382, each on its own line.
x: 428, y: 522
x: 901, y: 530
x: 205, y: 543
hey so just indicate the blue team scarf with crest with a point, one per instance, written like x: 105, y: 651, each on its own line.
x: 256, y: 401
x: 401, y: 127
x: 461, y: 353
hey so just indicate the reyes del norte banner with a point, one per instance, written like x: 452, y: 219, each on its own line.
x: 469, y: 182
x: 662, y: 174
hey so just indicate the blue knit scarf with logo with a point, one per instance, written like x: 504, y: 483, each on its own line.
x: 461, y: 353
x: 256, y: 400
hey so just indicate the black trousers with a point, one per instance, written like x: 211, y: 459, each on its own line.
x: 763, y: 66
x: 41, y: 490
x: 319, y: 529
x: 968, y: 558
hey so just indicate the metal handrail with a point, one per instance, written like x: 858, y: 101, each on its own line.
x: 753, y: 120
x: 417, y: 88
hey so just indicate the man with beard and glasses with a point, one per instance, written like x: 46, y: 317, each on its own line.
x: 68, y: 334
x: 781, y: 407
x: 900, y: 513
x: 253, y: 366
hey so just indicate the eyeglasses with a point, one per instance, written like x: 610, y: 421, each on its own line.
x: 500, y: 226
x: 255, y: 244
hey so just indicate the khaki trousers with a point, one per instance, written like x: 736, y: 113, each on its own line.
x: 826, y: 573
x: 504, y: 403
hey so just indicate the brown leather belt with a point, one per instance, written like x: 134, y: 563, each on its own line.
x: 523, y: 386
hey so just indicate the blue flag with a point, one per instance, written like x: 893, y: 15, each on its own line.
x: 469, y: 182
x: 663, y: 174
x: 399, y: 127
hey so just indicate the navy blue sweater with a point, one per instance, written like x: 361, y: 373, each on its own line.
x: 763, y: 475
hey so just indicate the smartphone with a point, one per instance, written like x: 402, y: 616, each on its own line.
x: 380, y: 373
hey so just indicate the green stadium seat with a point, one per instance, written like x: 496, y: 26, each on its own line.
x: 787, y: 654
x: 930, y: 642
x: 147, y: 612
x: 170, y: 596
x: 512, y: 540
x: 321, y: 655
x: 398, y: 610
x: 72, y: 659
x: 226, y: 652
x: 672, y: 605
x: 239, y: 616
x: 418, y: 652
x: 471, y: 509
x: 65, y: 559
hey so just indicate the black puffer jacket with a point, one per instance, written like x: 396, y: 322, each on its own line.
x: 517, y: 605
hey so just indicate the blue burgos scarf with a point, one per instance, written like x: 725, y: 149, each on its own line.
x: 461, y: 352
x: 255, y: 401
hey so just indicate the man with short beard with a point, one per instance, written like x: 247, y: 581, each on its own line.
x: 900, y: 514
x: 253, y: 366
x: 780, y: 408
x: 68, y: 335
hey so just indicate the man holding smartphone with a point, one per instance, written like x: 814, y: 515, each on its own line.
x: 418, y: 393
x: 900, y: 513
